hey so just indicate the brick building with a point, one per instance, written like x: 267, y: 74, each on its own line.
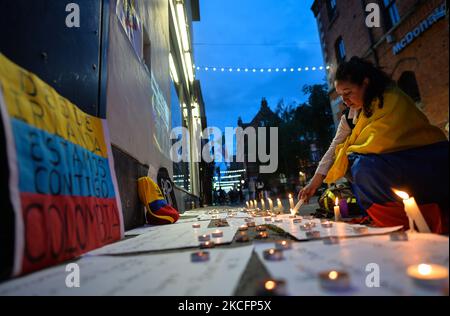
x: 410, y: 44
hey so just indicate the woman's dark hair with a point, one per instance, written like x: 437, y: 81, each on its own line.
x: 355, y: 71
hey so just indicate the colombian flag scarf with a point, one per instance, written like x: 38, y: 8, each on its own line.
x: 398, y: 126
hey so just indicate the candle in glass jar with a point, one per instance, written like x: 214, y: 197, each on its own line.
x: 242, y: 237
x: 261, y: 228
x: 428, y: 275
x: 196, y: 225
x: 413, y: 212
x: 291, y: 202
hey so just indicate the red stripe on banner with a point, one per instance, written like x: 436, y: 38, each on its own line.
x: 58, y: 228
x: 393, y: 214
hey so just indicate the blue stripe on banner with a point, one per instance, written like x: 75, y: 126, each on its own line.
x: 157, y: 204
x: 50, y: 164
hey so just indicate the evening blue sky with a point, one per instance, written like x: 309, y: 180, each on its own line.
x: 254, y: 33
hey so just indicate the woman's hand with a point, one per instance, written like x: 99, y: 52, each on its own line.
x: 308, y: 191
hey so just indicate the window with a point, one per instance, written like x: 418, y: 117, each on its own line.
x: 392, y: 16
x: 340, y: 50
x: 408, y: 83
x: 331, y: 7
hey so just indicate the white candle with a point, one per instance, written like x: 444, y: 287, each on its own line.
x: 413, y: 212
x: 297, y: 206
x: 337, y: 211
x: 279, y: 205
x: 255, y: 203
x: 263, y: 205
x: 270, y: 204
x: 248, y: 205
x: 428, y: 275
x: 291, y: 202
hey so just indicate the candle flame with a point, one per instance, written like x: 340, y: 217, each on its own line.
x: 290, y: 196
x: 333, y: 275
x: 336, y: 202
x: 424, y: 269
x: 401, y: 194
x: 270, y: 285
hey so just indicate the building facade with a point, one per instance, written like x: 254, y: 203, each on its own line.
x: 130, y: 62
x: 410, y: 44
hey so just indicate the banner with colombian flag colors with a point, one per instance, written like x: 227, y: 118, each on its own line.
x: 63, y: 196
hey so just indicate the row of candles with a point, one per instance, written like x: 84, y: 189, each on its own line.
x: 340, y: 207
x: 431, y: 276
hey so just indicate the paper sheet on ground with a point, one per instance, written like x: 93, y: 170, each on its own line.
x: 157, y: 274
x: 146, y: 228
x: 339, y: 229
x: 303, y: 263
x: 167, y: 237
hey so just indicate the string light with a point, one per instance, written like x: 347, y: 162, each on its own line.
x: 263, y: 69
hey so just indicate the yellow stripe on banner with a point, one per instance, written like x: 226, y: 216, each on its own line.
x: 31, y: 100
x: 167, y: 218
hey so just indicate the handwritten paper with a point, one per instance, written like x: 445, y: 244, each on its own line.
x: 302, y: 264
x: 167, y: 237
x: 158, y: 274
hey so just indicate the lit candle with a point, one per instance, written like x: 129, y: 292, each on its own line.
x: 243, y: 228
x: 305, y: 227
x: 200, y: 256
x: 283, y: 245
x: 251, y: 224
x: 297, y: 206
x: 327, y: 224
x: 262, y: 235
x: 428, y: 275
x: 207, y: 244
x: 334, y: 280
x: 291, y: 202
x: 279, y: 206
x: 270, y: 204
x: 196, y: 225
x: 204, y: 237
x: 413, y: 212
x: 261, y: 228
x: 272, y: 288
x: 247, y: 204
x: 273, y: 254
x: 263, y: 205
x: 217, y: 233
x: 337, y: 211
x: 242, y: 237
